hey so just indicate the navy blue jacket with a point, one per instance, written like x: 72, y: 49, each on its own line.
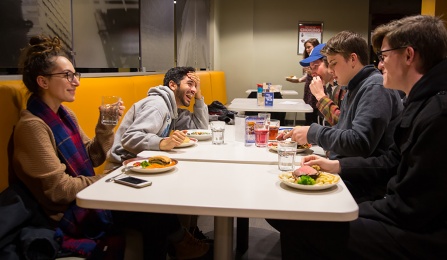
x: 368, y: 116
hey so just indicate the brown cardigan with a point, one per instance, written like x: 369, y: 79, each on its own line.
x: 36, y: 164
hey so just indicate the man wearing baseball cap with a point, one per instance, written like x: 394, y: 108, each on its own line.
x: 328, y: 97
x: 315, y: 54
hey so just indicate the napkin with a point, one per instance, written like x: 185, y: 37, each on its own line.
x: 239, y: 128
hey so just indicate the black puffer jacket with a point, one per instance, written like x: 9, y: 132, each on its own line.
x: 415, y: 207
x: 24, y: 229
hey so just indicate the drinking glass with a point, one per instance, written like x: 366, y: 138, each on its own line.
x: 218, y: 132
x: 273, y: 129
x: 266, y: 116
x: 110, y: 110
x: 286, y: 155
x: 261, y: 134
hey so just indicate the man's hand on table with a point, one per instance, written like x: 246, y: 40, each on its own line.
x: 326, y: 165
x: 298, y: 134
x: 175, y: 139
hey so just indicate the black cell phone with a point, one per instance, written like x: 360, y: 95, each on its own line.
x: 133, y: 182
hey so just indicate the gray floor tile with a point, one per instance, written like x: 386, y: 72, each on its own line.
x: 263, y: 239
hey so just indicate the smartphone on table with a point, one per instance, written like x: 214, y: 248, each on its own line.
x: 133, y: 182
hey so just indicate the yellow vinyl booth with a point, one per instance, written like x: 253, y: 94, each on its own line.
x: 13, y: 96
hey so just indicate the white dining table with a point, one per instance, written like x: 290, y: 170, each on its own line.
x: 232, y: 151
x: 285, y: 92
x: 279, y: 105
x: 225, y: 191
x: 234, y: 181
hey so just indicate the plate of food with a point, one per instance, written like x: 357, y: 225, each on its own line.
x: 285, y: 128
x: 187, y: 142
x: 153, y: 164
x: 199, y: 134
x: 309, y: 178
x: 300, y: 148
x: 292, y: 78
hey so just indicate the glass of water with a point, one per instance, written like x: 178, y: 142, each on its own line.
x: 110, y: 107
x: 218, y: 132
x: 286, y: 155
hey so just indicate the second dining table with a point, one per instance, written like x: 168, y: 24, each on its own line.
x: 279, y: 105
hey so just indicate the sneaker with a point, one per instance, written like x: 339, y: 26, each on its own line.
x: 198, y: 234
x: 190, y: 248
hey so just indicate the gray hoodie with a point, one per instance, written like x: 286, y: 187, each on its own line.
x: 150, y: 120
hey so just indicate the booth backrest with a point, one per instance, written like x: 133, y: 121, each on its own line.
x: 13, y: 96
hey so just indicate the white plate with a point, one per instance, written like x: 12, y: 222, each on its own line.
x: 191, y: 142
x: 306, y: 187
x: 274, y: 147
x: 130, y: 163
x: 199, y: 134
x: 282, y: 128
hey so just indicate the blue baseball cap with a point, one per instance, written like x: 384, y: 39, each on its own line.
x: 314, y: 55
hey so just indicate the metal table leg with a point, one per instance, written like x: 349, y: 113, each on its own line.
x: 223, y: 238
x: 242, y: 225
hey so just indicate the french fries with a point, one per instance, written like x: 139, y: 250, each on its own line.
x: 327, y: 178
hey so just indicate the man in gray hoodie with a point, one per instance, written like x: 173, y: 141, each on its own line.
x: 148, y: 123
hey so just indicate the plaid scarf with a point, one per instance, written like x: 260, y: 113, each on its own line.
x: 80, y: 230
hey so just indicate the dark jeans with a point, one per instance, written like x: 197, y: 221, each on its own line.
x: 359, y: 239
x: 154, y: 228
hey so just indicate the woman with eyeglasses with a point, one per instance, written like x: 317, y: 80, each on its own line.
x: 54, y: 159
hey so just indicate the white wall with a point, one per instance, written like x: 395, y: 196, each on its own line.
x: 257, y: 39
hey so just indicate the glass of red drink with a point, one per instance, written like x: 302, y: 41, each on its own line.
x: 261, y: 134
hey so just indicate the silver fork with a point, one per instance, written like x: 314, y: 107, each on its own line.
x: 123, y: 172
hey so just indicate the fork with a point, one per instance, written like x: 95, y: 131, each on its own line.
x: 123, y: 172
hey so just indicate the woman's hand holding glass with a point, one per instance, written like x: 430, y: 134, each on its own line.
x: 111, y: 110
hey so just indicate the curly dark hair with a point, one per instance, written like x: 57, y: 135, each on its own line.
x: 38, y: 59
x: 176, y: 74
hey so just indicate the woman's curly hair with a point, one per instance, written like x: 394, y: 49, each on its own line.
x: 38, y: 59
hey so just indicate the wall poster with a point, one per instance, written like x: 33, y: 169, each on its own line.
x: 307, y: 30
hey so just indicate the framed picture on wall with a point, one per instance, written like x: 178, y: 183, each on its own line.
x: 307, y: 30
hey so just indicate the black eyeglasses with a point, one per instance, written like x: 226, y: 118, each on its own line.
x: 379, y: 53
x: 70, y: 75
